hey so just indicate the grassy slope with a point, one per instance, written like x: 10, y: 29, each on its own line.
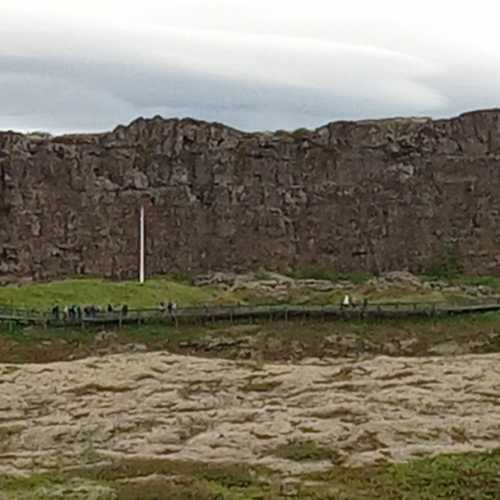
x: 153, y: 291
x: 102, y: 292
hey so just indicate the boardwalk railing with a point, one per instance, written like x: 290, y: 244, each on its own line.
x: 250, y: 313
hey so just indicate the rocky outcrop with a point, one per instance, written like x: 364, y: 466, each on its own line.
x: 399, y: 194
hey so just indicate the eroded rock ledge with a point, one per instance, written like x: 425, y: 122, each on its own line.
x: 371, y: 195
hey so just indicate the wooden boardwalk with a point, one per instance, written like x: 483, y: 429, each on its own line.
x: 246, y: 314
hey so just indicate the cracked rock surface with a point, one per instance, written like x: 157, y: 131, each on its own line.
x: 159, y: 405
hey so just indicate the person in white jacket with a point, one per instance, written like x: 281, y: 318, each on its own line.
x: 346, y: 302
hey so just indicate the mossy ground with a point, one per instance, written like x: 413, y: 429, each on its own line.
x: 463, y: 476
x: 273, y: 341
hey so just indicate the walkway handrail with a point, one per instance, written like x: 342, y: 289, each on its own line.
x: 212, y: 308
x: 248, y: 311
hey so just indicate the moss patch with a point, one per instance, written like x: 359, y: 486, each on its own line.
x: 264, y: 386
x: 307, y: 451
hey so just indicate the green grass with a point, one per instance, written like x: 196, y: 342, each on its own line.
x: 462, y: 279
x: 474, y: 476
x: 103, y: 292
x: 410, y: 296
x: 489, y: 281
x: 42, y: 487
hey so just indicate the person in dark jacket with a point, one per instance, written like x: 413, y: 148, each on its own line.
x: 55, y: 312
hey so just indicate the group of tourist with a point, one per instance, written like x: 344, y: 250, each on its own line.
x: 170, y: 307
x: 76, y: 312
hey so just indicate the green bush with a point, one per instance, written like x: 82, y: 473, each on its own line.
x: 320, y: 272
x: 262, y: 274
x: 301, y: 131
x: 447, y: 266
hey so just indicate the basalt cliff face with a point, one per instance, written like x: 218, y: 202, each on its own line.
x: 370, y: 195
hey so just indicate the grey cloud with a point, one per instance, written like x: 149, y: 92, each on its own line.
x: 468, y: 87
x: 77, y: 94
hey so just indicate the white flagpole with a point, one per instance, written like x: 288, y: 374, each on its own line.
x: 141, y: 257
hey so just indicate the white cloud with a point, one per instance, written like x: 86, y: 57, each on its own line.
x: 356, y: 59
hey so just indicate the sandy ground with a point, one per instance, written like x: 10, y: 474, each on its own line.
x: 160, y: 405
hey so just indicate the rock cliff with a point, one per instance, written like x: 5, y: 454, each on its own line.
x: 371, y: 195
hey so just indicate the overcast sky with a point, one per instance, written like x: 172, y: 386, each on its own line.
x: 88, y: 65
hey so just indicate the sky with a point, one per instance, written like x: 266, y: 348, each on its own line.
x: 78, y: 66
